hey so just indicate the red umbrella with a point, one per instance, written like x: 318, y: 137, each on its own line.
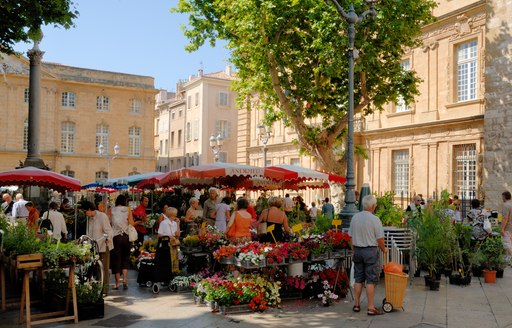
x: 223, y: 174
x: 305, y: 174
x: 31, y: 176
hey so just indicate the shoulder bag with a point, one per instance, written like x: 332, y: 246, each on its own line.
x: 262, y: 227
x: 132, y: 233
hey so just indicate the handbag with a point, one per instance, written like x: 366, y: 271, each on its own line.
x: 174, y: 241
x: 132, y: 233
x: 262, y: 227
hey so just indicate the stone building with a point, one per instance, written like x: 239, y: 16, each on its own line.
x: 80, y: 109
x: 439, y: 141
x: 202, y: 106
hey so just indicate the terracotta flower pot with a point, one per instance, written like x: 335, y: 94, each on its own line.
x: 489, y: 276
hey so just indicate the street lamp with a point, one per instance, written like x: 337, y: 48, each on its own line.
x: 264, y: 133
x: 352, y: 19
x: 216, y: 145
x: 101, y: 152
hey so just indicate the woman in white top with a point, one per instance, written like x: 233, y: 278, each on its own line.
x: 57, y: 220
x: 121, y: 217
x: 166, y: 257
x: 222, y: 213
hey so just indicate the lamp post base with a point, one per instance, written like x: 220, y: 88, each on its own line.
x: 346, y: 216
x: 35, y: 162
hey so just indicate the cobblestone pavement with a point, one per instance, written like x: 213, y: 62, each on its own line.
x: 478, y: 305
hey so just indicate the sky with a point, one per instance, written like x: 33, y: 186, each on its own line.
x: 129, y: 36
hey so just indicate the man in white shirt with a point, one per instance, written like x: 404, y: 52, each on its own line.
x: 18, y: 209
x: 288, y: 203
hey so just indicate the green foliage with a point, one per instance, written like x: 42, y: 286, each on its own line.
x: 490, y: 254
x: 19, y: 239
x: 55, y: 252
x: 322, y: 224
x: 293, y: 55
x: 433, y: 246
x: 89, y: 292
x: 389, y: 213
x: 22, y: 20
x: 56, y: 282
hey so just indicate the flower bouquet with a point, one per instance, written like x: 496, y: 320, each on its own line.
x: 276, y: 255
x: 212, y: 239
x: 337, y: 243
x: 251, y: 260
x: 327, y: 297
x: 225, y: 254
x: 317, y: 246
x: 297, y: 252
x: 191, y: 244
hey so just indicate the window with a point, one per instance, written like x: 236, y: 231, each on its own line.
x: 135, y: 106
x: 189, y: 102
x: 466, y: 71
x: 179, y: 138
x: 196, y: 130
x: 25, y: 134
x: 464, y: 170
x: 67, y: 137
x: 68, y: 173
x: 166, y: 146
x: 181, y: 112
x: 172, y: 139
x: 401, y: 106
x: 103, y: 104
x: 295, y: 161
x: 101, y: 176
x: 223, y: 99
x: 401, y: 172
x: 173, y: 114
x: 68, y: 99
x: 197, y: 99
x: 26, y: 96
x: 188, y: 132
x: 134, y: 141
x: 161, y: 150
x: 102, y: 132
x: 224, y: 127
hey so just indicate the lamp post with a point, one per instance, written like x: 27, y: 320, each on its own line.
x: 264, y: 133
x: 101, y: 152
x: 216, y: 145
x: 352, y: 19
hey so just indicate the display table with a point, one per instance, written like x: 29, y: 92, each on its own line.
x: 34, y: 262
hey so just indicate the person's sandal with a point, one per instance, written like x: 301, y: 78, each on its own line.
x: 375, y: 311
x: 125, y: 286
x: 356, y: 308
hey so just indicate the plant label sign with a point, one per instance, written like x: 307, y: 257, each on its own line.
x: 336, y: 223
x: 297, y: 228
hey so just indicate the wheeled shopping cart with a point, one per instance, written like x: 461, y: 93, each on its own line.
x: 395, y: 290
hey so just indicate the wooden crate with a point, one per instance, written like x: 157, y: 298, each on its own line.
x: 29, y: 261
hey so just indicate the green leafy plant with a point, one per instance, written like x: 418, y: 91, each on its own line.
x: 490, y: 254
x: 56, y: 282
x: 322, y: 224
x: 389, y: 213
x: 21, y: 240
x: 89, y: 292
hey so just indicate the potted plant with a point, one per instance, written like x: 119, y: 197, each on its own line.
x: 490, y: 254
x: 432, y: 248
x: 191, y: 244
x: 90, y: 300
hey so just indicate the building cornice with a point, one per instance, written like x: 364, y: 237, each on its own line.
x: 422, y: 126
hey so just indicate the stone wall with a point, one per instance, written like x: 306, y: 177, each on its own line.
x: 498, y: 98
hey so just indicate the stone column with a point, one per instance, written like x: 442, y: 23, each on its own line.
x: 498, y: 99
x: 34, y: 108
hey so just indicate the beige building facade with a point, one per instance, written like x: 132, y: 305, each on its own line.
x: 80, y: 109
x: 437, y: 142
x: 202, y: 106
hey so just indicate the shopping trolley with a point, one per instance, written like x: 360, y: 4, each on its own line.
x: 395, y: 290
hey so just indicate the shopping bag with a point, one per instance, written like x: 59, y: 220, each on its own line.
x: 132, y: 233
x: 262, y: 228
x: 487, y: 225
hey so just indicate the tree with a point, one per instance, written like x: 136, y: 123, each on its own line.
x: 292, y: 53
x: 22, y: 19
